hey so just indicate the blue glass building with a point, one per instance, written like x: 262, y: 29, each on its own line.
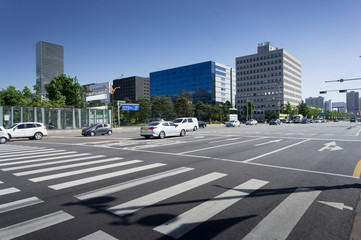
x: 209, y: 82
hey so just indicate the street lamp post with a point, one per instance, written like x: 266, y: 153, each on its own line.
x: 112, y: 90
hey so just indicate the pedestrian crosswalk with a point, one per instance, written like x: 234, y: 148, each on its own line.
x: 60, y: 170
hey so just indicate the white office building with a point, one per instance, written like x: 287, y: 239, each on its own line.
x: 270, y: 78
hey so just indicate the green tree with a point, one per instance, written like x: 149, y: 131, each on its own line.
x: 145, y: 110
x: 201, y: 111
x: 291, y: 111
x: 182, y: 107
x: 250, y: 107
x: 12, y: 97
x: 303, y: 109
x: 270, y: 114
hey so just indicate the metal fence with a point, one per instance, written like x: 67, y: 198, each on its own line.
x: 54, y: 118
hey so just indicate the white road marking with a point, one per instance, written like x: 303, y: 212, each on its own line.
x: 103, y: 176
x: 340, y: 206
x: 99, y: 235
x: 36, y: 160
x: 8, y: 191
x: 66, y: 166
x: 132, y: 183
x: 281, y: 221
x: 86, y: 170
x: 218, y: 146
x: 185, y: 222
x: 27, y: 152
x: 358, y: 133
x: 56, y: 152
x: 55, y: 162
x: 271, y: 141
x: 6, y: 207
x: 277, y: 150
x: 223, y: 140
x: 150, y: 199
x: 33, y: 225
x: 330, y: 146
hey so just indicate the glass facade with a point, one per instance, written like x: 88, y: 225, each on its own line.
x: 54, y: 118
x: 203, y: 80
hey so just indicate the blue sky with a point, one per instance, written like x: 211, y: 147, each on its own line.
x: 104, y: 40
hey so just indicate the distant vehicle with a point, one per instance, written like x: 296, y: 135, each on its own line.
x: 352, y: 119
x: 189, y: 123
x: 97, y: 129
x: 305, y: 120
x: 275, y: 121
x: 335, y: 120
x: 233, y: 123
x: 297, y: 120
x: 162, y: 129
x: 318, y: 121
x: 251, y: 122
x: 324, y: 121
x: 4, y: 137
x: 202, y: 124
x: 31, y: 130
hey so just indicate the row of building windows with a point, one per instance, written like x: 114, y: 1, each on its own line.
x: 259, y: 64
x: 293, y: 72
x: 293, y: 61
x: 259, y: 82
x: 260, y: 76
x: 260, y: 70
x: 297, y: 80
x: 258, y: 100
x: 259, y: 58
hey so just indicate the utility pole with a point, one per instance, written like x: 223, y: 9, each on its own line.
x: 112, y: 90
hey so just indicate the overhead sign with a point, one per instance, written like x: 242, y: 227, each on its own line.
x: 130, y: 107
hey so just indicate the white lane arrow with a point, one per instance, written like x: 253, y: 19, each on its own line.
x: 272, y: 141
x: 337, y: 205
x: 330, y: 146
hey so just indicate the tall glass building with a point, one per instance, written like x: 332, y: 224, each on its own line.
x: 49, y: 63
x: 209, y: 82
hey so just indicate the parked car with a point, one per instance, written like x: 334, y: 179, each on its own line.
x: 305, y: 120
x: 4, y: 137
x: 275, y: 121
x: 98, y: 128
x: 324, y: 121
x: 189, y: 123
x: 202, y: 124
x: 233, y: 123
x: 297, y: 120
x: 162, y: 129
x: 317, y: 120
x: 352, y: 120
x: 31, y: 130
x: 335, y: 120
x: 251, y: 122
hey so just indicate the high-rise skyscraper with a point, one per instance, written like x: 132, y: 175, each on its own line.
x: 353, y: 102
x: 315, y: 102
x: 270, y: 78
x: 49, y: 63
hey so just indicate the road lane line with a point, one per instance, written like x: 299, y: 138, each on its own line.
x: 133, y: 183
x: 281, y: 221
x: 33, y: 225
x: 357, y: 171
x: 150, y: 199
x: 77, y: 158
x: 81, y: 171
x: 277, y: 150
x: 8, y: 191
x: 6, y: 207
x: 218, y: 146
x: 358, y: 133
x: 185, y: 222
x: 98, y: 235
x: 223, y: 140
x: 66, y: 166
x: 39, y: 160
x: 104, y: 176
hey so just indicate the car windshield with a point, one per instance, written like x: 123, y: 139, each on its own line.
x: 178, y: 120
x: 13, y: 125
x: 91, y: 126
x: 231, y: 121
x: 153, y: 124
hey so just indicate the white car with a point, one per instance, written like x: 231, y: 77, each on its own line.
x: 251, y: 122
x: 162, y: 129
x: 4, y: 137
x: 31, y: 130
x: 233, y: 123
x: 189, y: 123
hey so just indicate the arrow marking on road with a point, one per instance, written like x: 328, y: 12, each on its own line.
x: 330, y: 146
x: 272, y: 141
x: 337, y: 205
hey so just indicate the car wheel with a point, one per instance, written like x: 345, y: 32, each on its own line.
x: 195, y: 128
x: 38, y: 136
x: 109, y: 132
x: 161, y: 135
x: 2, y: 140
x: 92, y: 134
x: 183, y: 133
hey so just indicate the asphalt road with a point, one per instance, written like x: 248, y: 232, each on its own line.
x: 249, y: 182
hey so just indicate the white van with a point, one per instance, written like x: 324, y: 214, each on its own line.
x: 189, y: 123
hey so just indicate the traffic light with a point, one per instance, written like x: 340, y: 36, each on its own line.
x: 323, y: 92
x: 342, y: 91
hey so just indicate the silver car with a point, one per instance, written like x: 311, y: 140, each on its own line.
x: 251, y: 122
x: 233, y: 123
x: 162, y: 129
x: 4, y: 136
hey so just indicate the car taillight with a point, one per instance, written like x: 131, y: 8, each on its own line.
x: 152, y: 128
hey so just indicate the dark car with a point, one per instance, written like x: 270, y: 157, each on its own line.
x: 202, y: 124
x: 275, y: 121
x: 305, y: 120
x: 98, y: 128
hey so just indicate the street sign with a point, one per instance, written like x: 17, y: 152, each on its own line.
x: 130, y: 107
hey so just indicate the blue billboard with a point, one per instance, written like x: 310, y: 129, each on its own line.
x: 130, y: 107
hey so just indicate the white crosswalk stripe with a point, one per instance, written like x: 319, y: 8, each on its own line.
x: 8, y: 191
x: 32, y: 152
x: 19, y: 204
x: 142, y: 202
x: 55, y: 152
x: 86, y: 170
x: 185, y: 222
x: 33, y: 225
